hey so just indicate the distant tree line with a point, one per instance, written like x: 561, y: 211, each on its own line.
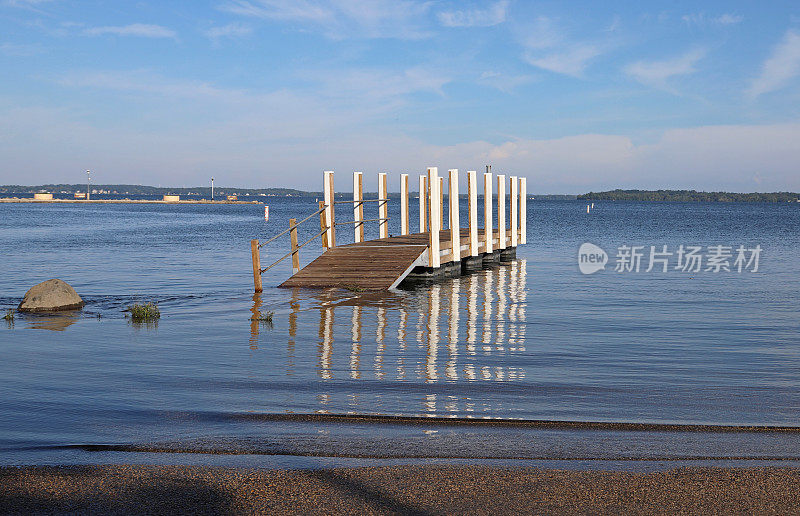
x: 688, y: 196
x: 149, y: 190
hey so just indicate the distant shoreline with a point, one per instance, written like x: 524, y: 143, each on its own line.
x: 28, y: 200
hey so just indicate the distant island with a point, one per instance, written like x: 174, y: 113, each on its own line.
x: 204, y: 192
x: 140, y: 190
x: 688, y: 196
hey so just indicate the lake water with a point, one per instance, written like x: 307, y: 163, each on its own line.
x: 531, y: 340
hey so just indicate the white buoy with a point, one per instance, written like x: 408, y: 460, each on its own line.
x: 266, y: 213
x: 592, y: 205
x: 587, y: 208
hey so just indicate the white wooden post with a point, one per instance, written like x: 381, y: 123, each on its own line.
x: 358, y: 206
x: 523, y: 211
x: 423, y: 210
x: 404, y: 204
x: 433, y: 245
x: 488, y: 228
x: 327, y: 184
x: 383, y: 211
x: 501, y: 211
x: 472, y: 188
x: 441, y: 202
x: 514, y: 213
x: 455, y: 224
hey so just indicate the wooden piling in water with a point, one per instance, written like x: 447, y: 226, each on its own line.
x: 455, y: 224
x: 488, y: 229
x: 383, y: 206
x: 472, y: 185
x: 434, y: 258
x: 501, y: 211
x: 295, y: 250
x: 323, y: 225
x: 423, y: 210
x: 358, y: 206
x: 523, y: 210
x: 514, y: 212
x: 256, y: 254
x: 404, y: 215
x: 329, y: 211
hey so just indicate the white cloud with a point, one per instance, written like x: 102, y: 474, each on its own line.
x: 571, y: 61
x: 231, y: 30
x: 135, y: 29
x: 493, y: 15
x: 25, y: 3
x: 340, y: 19
x: 504, y: 82
x: 658, y: 73
x: 780, y: 67
x: 702, y: 19
x: 16, y: 50
x: 548, y: 47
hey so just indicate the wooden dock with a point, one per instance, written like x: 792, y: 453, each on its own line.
x: 380, y: 264
x: 431, y: 254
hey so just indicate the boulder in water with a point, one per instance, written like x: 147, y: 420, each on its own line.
x: 49, y: 296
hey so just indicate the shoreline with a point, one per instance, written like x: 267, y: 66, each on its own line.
x: 118, y: 201
x: 392, y: 489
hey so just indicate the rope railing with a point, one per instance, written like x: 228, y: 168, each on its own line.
x: 291, y: 228
x: 295, y: 251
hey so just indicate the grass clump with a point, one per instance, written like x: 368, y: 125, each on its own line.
x: 9, y: 316
x: 266, y: 317
x: 142, y: 312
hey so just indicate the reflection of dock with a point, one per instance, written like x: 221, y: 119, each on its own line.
x: 439, y: 250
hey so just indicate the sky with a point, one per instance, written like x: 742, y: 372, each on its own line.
x: 574, y: 95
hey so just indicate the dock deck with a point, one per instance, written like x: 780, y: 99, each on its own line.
x: 380, y: 264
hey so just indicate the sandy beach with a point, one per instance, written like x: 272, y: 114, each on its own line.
x: 396, y: 489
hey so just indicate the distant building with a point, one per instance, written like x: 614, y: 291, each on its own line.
x: 232, y: 197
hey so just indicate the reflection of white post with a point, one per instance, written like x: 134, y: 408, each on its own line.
x: 327, y: 184
x: 472, y: 188
x: 488, y: 225
x: 423, y: 210
x: 358, y: 206
x: 380, y: 335
x: 488, y: 300
x: 433, y: 330
x: 453, y: 313
x: 383, y: 211
x: 434, y: 259
x: 472, y: 313
x: 327, y: 343
x: 523, y: 211
x: 514, y: 212
x: 404, y: 204
x: 501, y: 211
x: 355, y: 352
x: 455, y: 223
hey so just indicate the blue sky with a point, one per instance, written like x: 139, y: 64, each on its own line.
x: 576, y: 96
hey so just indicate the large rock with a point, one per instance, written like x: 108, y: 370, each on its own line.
x: 50, y: 295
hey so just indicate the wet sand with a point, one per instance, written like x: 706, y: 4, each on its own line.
x: 395, y: 489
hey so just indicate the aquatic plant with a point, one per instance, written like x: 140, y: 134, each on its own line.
x: 266, y: 317
x: 141, y: 312
x: 9, y: 316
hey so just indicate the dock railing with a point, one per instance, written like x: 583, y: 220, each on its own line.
x: 431, y: 217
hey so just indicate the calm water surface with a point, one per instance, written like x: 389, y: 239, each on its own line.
x: 534, y: 339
